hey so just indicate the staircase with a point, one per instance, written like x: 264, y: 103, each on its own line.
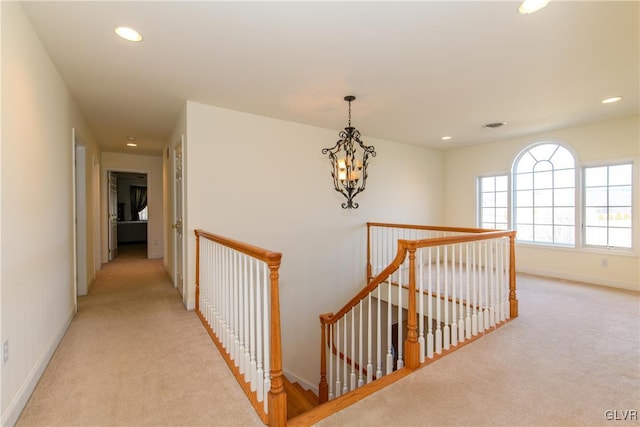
x: 299, y: 400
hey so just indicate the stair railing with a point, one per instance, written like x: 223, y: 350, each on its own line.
x: 237, y: 300
x: 443, y: 288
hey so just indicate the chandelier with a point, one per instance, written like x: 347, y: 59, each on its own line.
x: 348, y: 162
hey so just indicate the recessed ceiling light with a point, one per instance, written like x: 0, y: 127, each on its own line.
x: 494, y: 125
x: 611, y: 100
x: 131, y: 144
x: 128, y: 34
x: 530, y: 6
x: 445, y: 138
x: 131, y: 138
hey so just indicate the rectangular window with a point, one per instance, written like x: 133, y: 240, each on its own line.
x: 608, y: 196
x: 493, y: 202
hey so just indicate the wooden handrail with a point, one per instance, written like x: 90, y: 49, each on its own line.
x: 277, y: 398
x: 431, y: 227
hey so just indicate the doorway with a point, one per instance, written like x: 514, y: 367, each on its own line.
x: 128, y: 212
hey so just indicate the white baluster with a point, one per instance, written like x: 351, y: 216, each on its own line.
x: 338, y: 383
x: 252, y: 325
x: 369, y: 343
x: 446, y: 330
x: 430, y: 309
x: 236, y: 305
x: 467, y: 320
x: 400, y: 362
x: 454, y: 302
x: 361, y: 351
x: 242, y: 310
x: 345, y: 385
x: 330, y: 327
x: 389, y: 329
x: 438, y: 304
x: 352, y: 385
x: 421, y: 342
x: 485, y: 288
x: 494, y: 280
x: 247, y: 319
x: 460, y: 298
x: 474, y: 316
x: 379, y: 336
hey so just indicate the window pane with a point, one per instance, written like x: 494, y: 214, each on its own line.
x: 502, y: 183
x: 525, y: 163
x: 564, y: 178
x: 620, y: 196
x: 543, y: 166
x: 524, y: 181
x: 524, y: 198
x: 543, y: 216
x: 524, y: 215
x: 543, y: 233
x: 564, y: 235
x: 596, y: 236
x: 596, y: 196
x: 620, y: 237
x: 620, y: 175
x: 543, y: 197
x: 488, y: 199
x: 564, y: 216
x: 542, y: 180
x: 524, y: 232
x: 620, y: 217
x: 564, y: 197
x: 543, y: 151
x: 501, y: 215
x: 501, y: 226
x: 487, y: 183
x: 488, y: 215
x: 594, y: 177
x: 562, y: 159
x: 596, y: 217
x: 502, y: 199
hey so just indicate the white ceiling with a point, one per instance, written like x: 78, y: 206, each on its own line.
x: 419, y: 70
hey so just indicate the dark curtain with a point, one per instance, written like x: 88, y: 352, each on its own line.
x: 138, y: 201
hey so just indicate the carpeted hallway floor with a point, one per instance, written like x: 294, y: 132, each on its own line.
x: 133, y: 356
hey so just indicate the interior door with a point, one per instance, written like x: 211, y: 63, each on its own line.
x: 113, y: 215
x: 178, y: 214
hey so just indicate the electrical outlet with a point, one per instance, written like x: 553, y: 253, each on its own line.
x: 5, y: 352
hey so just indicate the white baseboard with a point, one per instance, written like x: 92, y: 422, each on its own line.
x: 293, y: 378
x: 191, y: 304
x: 630, y: 286
x: 17, y: 404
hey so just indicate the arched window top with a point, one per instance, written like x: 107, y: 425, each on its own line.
x: 544, y: 156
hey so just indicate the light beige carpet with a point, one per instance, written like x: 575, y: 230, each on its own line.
x: 572, y: 355
x: 134, y: 356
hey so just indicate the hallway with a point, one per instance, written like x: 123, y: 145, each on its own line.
x: 134, y: 356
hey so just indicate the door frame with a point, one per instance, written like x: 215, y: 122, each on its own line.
x: 178, y: 257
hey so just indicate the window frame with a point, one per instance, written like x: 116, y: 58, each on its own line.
x: 634, y: 203
x: 577, y: 186
x: 480, y: 206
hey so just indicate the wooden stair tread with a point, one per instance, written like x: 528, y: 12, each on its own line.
x: 299, y: 400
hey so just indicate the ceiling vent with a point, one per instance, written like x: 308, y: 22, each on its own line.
x: 494, y: 125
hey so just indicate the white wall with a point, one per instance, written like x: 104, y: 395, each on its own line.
x: 266, y: 182
x: 152, y: 166
x: 594, y: 143
x: 37, y: 295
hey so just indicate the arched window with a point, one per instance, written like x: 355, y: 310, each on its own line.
x: 544, y: 195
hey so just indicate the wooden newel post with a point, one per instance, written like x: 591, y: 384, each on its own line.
x: 323, y: 387
x: 412, y: 347
x: 277, y: 395
x: 197, y: 271
x: 513, y: 301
